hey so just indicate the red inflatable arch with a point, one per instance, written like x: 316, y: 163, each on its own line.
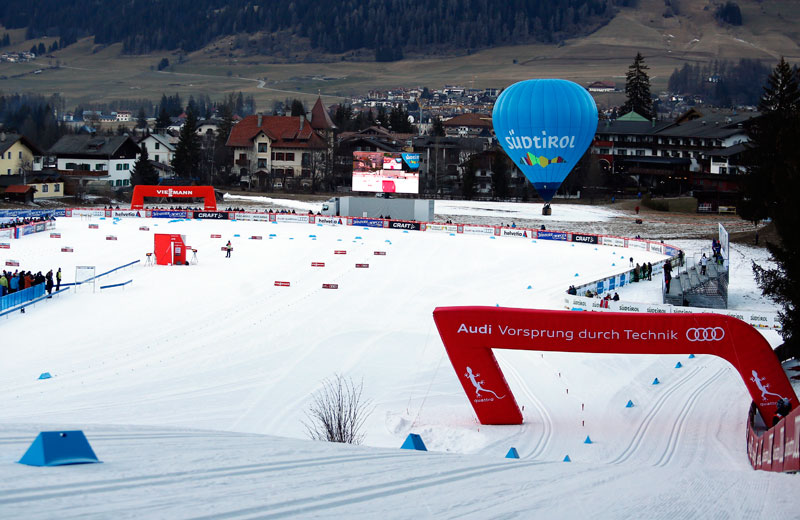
x: 142, y: 191
x: 470, y: 333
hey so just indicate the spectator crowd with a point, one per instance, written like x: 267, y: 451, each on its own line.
x: 20, y: 280
x: 23, y: 221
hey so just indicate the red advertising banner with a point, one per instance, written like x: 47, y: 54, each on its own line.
x: 12, y: 263
x: 55, y: 235
x: 380, y: 253
x: 144, y: 228
x: 338, y: 252
x: 362, y: 266
x: 281, y: 284
x: 205, y: 192
x: 330, y: 286
x: 94, y: 226
x: 67, y: 250
x: 317, y: 264
x: 255, y: 237
x: 5, y: 246
x: 216, y: 236
x: 470, y: 333
x: 111, y: 237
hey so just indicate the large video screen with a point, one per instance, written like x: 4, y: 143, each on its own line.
x: 386, y: 172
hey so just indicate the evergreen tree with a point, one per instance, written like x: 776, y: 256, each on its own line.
x: 143, y: 170
x: 770, y: 190
x: 141, y: 119
x: 637, y: 89
x: 500, y: 176
x: 187, y: 151
x: 468, y: 180
x: 162, y: 121
x: 437, y: 128
x: 223, y: 155
x: 297, y: 108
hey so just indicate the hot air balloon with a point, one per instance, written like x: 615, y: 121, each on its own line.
x: 545, y: 126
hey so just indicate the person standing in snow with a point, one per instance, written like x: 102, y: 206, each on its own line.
x: 703, y: 264
x: 48, y: 283
x: 228, y: 249
x: 58, y: 279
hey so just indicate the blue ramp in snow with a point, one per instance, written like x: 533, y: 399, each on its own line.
x: 59, y: 448
x: 413, y: 442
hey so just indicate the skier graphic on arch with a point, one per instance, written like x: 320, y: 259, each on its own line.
x: 761, y: 386
x: 478, y: 384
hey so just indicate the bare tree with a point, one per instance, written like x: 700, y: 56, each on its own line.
x: 338, y: 411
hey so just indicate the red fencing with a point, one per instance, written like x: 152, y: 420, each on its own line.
x: 777, y: 448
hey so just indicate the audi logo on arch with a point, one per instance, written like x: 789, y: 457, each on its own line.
x: 705, y: 334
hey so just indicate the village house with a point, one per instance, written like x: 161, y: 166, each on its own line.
x: 18, y: 154
x: 469, y: 125
x: 160, y: 147
x: 698, y: 151
x: 274, y: 152
x: 88, y: 158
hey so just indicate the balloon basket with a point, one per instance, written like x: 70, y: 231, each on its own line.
x: 547, y: 210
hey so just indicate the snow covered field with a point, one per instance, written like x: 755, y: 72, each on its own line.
x: 191, y: 383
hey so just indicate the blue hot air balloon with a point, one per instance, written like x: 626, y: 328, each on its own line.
x: 545, y: 126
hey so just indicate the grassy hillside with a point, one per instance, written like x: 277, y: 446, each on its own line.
x: 89, y: 73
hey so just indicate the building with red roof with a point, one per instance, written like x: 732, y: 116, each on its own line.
x: 277, y: 151
x: 469, y: 125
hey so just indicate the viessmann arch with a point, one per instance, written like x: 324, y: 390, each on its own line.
x: 206, y: 192
x: 470, y: 333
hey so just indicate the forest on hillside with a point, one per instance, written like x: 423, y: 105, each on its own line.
x: 387, y: 27
x: 722, y: 83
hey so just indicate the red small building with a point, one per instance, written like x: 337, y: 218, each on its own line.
x: 170, y: 249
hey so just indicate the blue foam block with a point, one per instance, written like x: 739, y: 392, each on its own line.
x: 59, y: 448
x: 656, y: 381
x: 512, y: 453
x: 630, y: 404
x: 567, y: 459
x: 678, y: 365
x: 413, y: 442
x: 588, y: 440
x: 45, y: 375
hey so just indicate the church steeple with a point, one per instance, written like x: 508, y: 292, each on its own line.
x: 320, y: 119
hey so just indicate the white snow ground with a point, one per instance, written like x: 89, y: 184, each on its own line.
x: 191, y: 385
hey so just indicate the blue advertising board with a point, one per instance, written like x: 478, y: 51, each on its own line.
x: 162, y: 213
x: 28, y: 213
x: 612, y: 283
x: 368, y: 222
x: 601, y: 287
x: 551, y: 235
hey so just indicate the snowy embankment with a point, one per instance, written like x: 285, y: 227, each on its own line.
x: 183, y: 380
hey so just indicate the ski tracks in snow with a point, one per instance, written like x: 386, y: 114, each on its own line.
x: 643, y: 430
x: 680, y: 424
x: 547, y: 421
